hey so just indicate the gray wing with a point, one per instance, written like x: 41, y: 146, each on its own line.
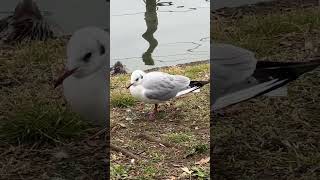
x: 163, y: 86
x: 236, y: 78
x: 232, y: 68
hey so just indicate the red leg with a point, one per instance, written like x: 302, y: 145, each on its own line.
x: 155, y: 108
x: 152, y: 115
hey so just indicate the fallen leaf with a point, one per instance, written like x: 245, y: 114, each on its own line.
x: 308, y: 45
x: 61, y: 155
x: 122, y: 125
x: 172, y: 178
x: 184, y: 175
x: 162, y: 145
x: 132, y: 161
x: 176, y: 165
x: 92, y: 143
x: 128, y: 119
x: 185, y: 169
x: 203, y: 161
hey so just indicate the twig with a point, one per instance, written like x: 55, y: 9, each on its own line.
x: 6, y: 83
x: 152, y: 139
x: 97, y: 134
x: 7, y: 152
x: 56, y: 97
x: 124, y: 151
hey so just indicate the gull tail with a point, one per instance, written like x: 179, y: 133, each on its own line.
x: 270, y: 77
x: 194, y: 86
x: 282, y: 71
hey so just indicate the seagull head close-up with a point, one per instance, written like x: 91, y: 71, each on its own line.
x: 136, y: 78
x: 86, y: 53
x: 85, y: 78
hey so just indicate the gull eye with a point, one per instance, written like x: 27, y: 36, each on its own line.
x: 137, y: 79
x: 87, y: 56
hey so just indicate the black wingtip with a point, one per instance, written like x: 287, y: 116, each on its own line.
x: 198, y: 83
x: 272, y: 64
x: 284, y: 70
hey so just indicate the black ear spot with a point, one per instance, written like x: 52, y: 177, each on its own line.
x: 87, y: 56
x: 102, y: 50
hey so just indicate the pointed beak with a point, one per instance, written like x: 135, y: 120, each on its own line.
x: 129, y: 85
x: 66, y: 74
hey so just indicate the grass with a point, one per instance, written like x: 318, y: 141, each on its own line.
x: 118, y: 171
x: 39, y: 52
x: 270, y: 35
x: 150, y: 171
x: 198, y: 149
x: 177, y: 124
x: 120, y: 97
x: 29, y: 112
x: 41, y: 123
x: 122, y: 100
x: 271, y: 137
x: 179, y: 137
x: 199, y: 173
x: 36, y: 124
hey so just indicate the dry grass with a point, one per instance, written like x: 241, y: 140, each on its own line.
x: 277, y: 36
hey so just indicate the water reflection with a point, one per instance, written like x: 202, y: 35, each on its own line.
x: 162, y: 33
x: 151, y: 19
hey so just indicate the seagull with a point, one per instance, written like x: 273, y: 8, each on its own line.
x: 156, y: 87
x: 237, y: 76
x: 85, y: 79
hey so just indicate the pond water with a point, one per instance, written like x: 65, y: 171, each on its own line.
x: 69, y: 15
x: 153, y: 33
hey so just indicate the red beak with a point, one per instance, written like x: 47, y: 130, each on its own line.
x: 66, y: 74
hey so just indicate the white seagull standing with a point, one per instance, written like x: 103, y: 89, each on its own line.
x: 85, y: 79
x: 157, y: 87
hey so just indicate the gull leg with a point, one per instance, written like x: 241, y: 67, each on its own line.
x: 152, y: 115
x: 155, y: 108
